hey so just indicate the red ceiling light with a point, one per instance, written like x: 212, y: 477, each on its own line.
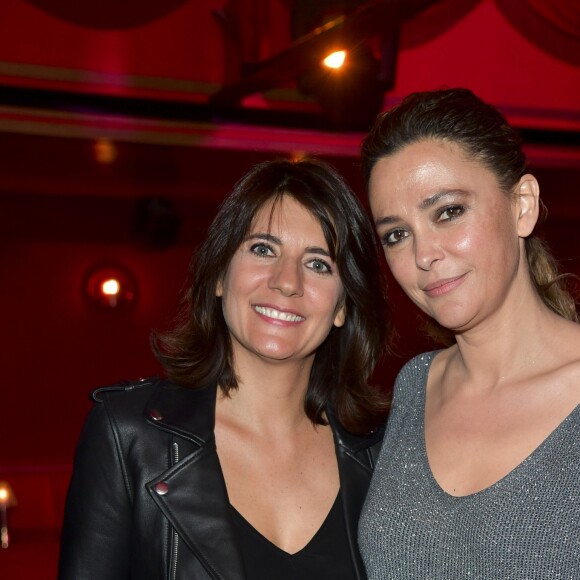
x: 110, y: 286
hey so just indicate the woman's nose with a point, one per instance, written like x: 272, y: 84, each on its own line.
x: 287, y: 278
x: 427, y: 252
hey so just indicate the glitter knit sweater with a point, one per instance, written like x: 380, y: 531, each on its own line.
x: 525, y: 526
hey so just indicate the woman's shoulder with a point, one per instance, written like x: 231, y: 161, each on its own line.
x: 133, y: 408
x: 418, y: 366
x: 154, y: 396
x: 120, y: 406
x: 560, y: 362
x: 412, y: 378
x: 131, y: 389
x: 125, y: 399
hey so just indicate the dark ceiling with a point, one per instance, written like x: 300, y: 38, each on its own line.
x: 147, y: 84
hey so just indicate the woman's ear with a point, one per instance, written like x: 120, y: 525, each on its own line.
x: 528, y: 203
x: 340, y: 316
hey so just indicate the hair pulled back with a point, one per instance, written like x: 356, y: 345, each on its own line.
x: 458, y: 116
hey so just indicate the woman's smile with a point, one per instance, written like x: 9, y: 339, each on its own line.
x: 273, y: 314
x: 443, y: 286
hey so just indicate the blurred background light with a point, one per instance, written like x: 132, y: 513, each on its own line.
x: 335, y: 59
x: 110, y: 286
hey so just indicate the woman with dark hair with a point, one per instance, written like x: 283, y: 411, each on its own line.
x: 252, y: 458
x: 479, y: 477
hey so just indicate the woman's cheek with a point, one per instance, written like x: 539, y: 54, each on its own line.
x: 468, y: 239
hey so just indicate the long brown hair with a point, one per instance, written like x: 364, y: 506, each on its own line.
x: 198, y: 350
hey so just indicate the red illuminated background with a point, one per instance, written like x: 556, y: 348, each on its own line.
x: 118, y: 140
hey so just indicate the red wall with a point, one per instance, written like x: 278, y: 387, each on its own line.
x: 63, y: 212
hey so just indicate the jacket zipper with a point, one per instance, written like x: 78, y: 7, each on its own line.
x: 175, y: 536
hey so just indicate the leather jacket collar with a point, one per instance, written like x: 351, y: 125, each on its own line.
x: 192, y: 493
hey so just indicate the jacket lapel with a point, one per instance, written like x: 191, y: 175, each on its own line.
x: 355, y: 465
x: 192, y: 493
x: 196, y: 503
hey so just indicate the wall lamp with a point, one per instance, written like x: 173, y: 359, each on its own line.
x: 110, y: 287
x: 7, y: 500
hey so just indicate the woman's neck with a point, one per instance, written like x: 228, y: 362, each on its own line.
x: 269, y: 389
x: 509, y: 345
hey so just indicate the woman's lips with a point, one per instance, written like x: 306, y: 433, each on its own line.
x: 443, y: 286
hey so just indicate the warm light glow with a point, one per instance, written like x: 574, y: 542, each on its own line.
x: 297, y: 155
x: 335, y: 59
x: 105, y: 151
x: 111, y: 287
x: 7, y: 498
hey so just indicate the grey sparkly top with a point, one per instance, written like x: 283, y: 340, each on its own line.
x: 525, y: 526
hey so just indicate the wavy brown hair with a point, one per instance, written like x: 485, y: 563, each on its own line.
x: 198, y: 350
x: 459, y: 116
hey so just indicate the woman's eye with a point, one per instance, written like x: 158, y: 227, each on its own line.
x: 319, y: 266
x: 394, y: 237
x: 261, y: 250
x: 450, y: 213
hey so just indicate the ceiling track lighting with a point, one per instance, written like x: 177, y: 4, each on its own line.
x: 352, y: 98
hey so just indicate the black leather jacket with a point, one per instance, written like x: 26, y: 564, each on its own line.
x: 147, y: 499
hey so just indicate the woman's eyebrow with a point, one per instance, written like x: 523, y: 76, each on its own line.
x: 423, y: 205
x: 386, y: 220
x: 316, y: 250
x: 433, y: 199
x: 265, y: 236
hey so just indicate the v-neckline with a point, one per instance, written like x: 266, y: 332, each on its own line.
x: 272, y: 545
x: 512, y: 473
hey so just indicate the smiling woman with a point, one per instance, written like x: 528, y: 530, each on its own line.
x: 479, y: 476
x: 282, y: 293
x: 252, y: 459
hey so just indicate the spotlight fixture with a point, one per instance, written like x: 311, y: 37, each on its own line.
x: 352, y: 99
x: 349, y: 93
x: 335, y: 59
x: 110, y: 287
x: 349, y: 83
